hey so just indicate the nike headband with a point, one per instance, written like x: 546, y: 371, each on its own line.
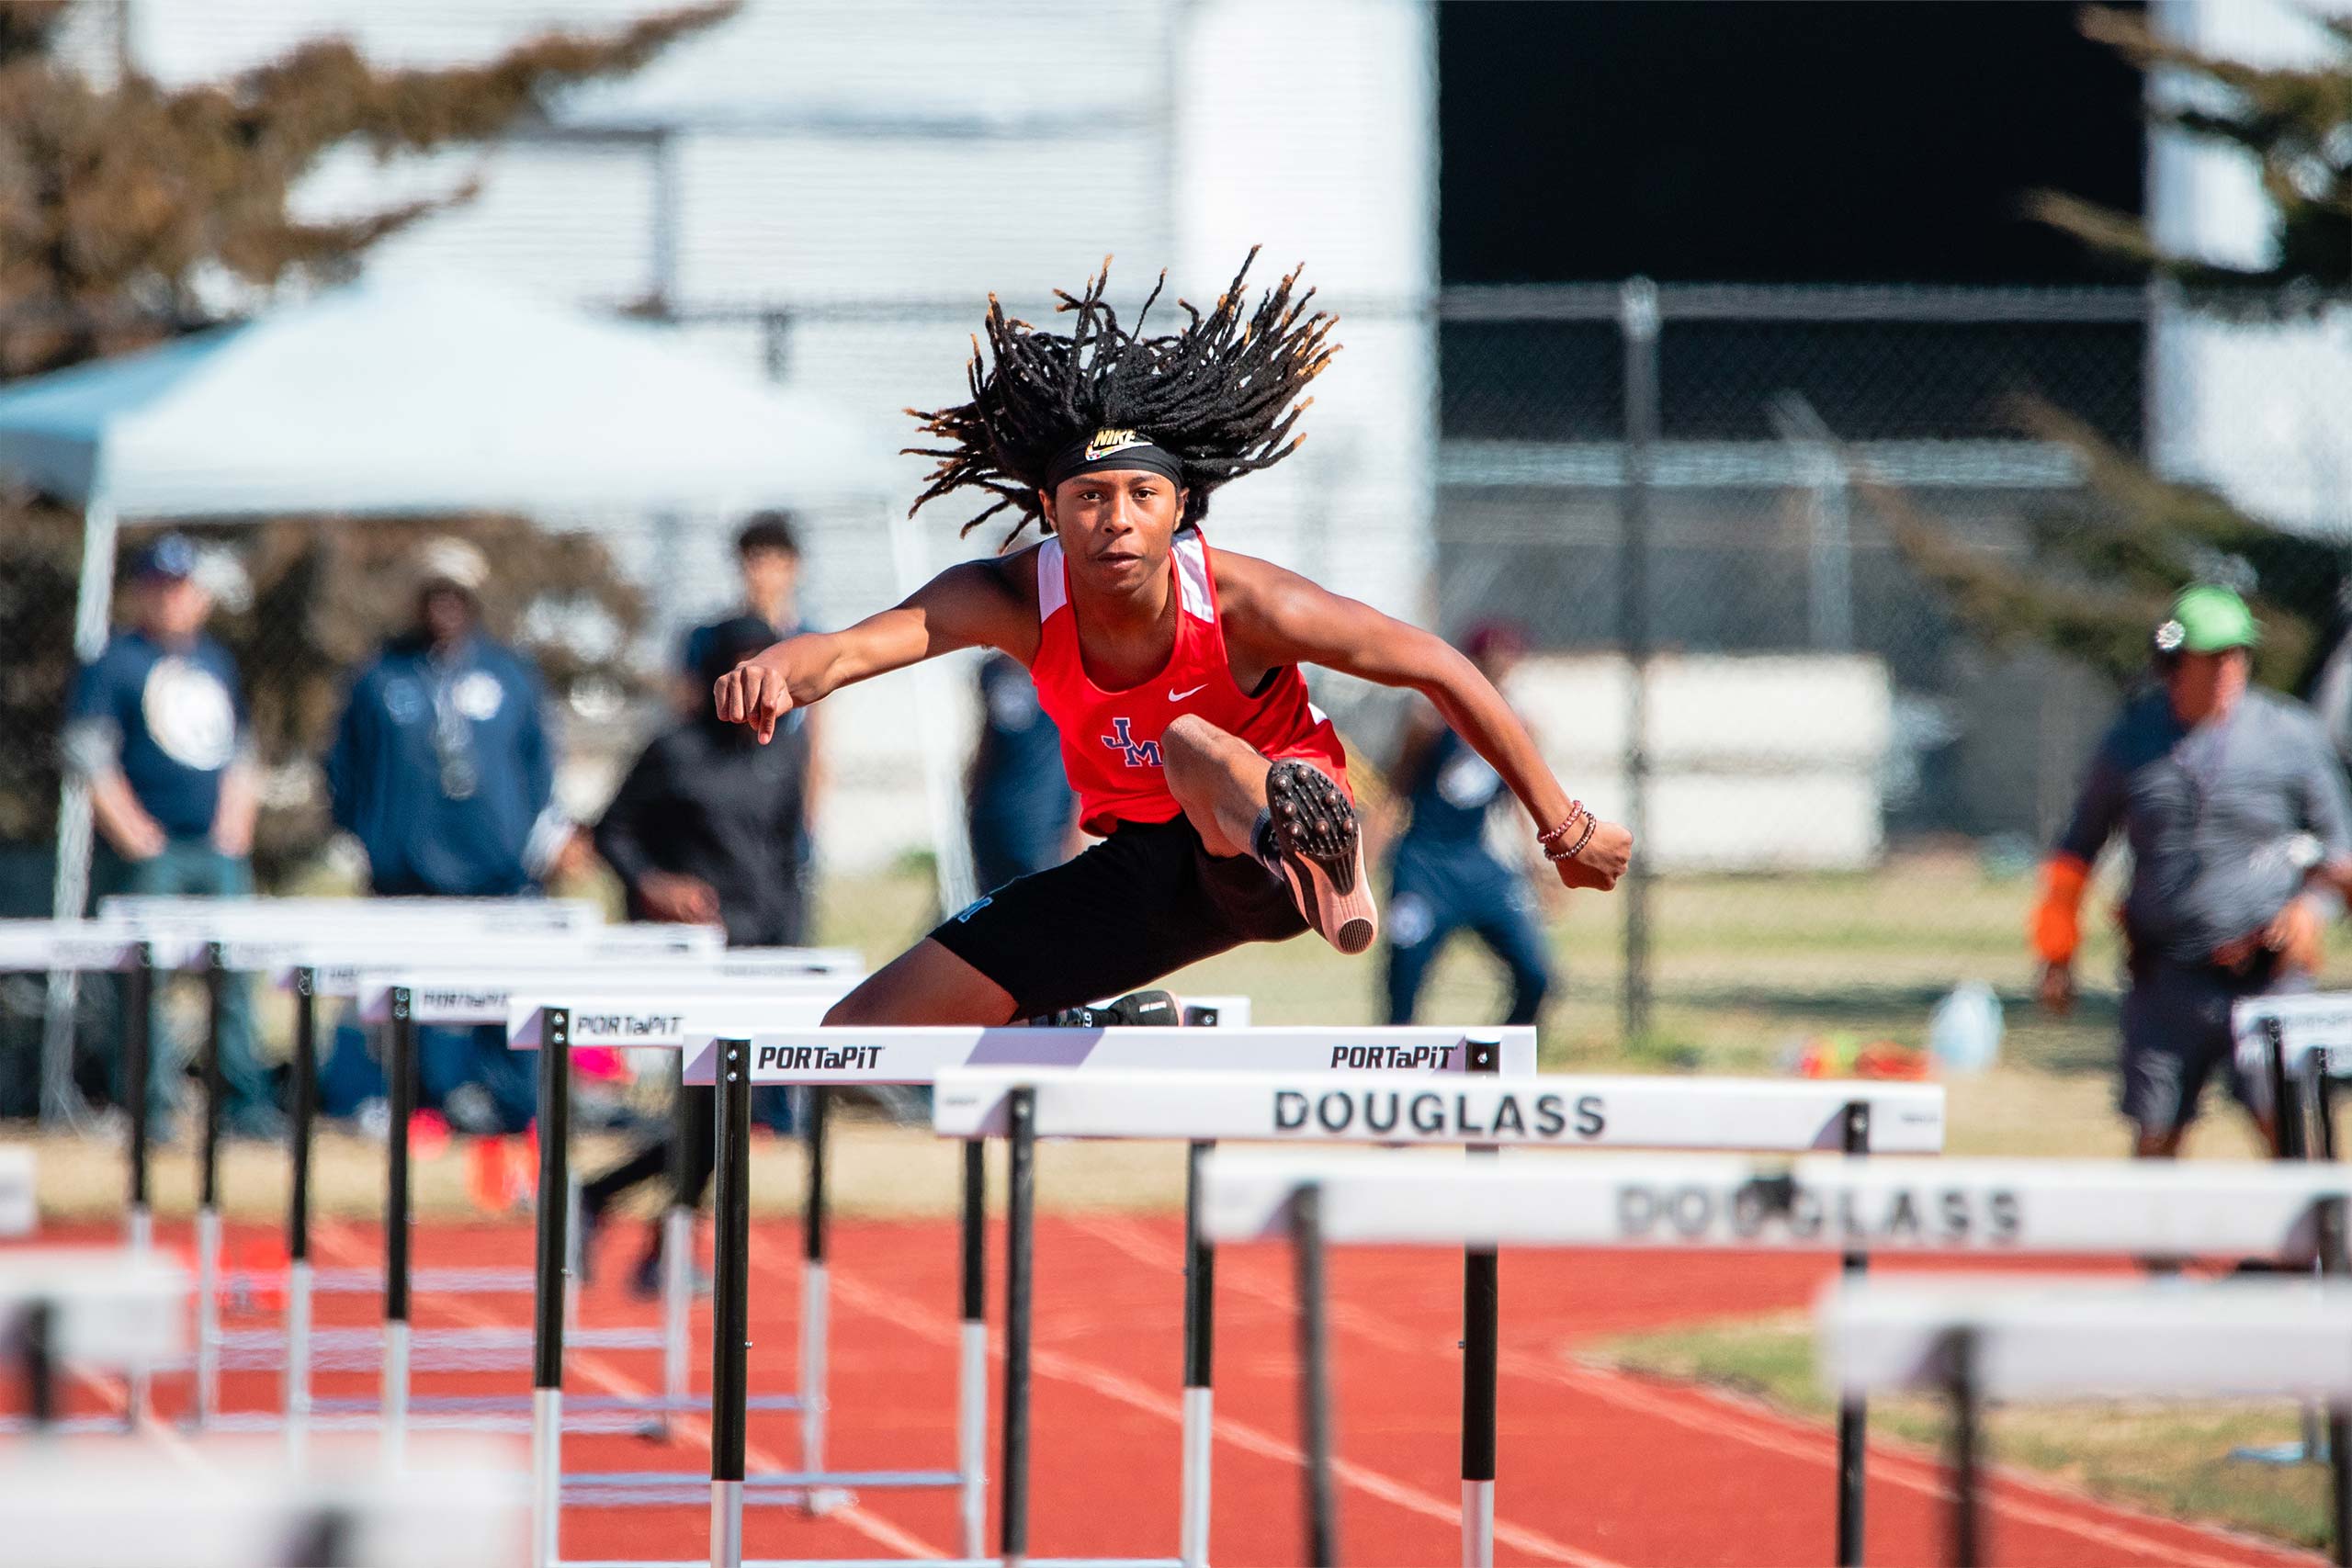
x: 1108, y: 449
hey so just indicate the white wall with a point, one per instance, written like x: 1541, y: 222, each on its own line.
x: 2259, y: 410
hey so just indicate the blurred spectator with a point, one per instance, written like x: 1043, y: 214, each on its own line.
x: 1443, y: 877
x: 2230, y: 799
x: 706, y: 827
x: 1022, y: 814
x: 767, y: 552
x: 156, y: 729
x: 442, y: 770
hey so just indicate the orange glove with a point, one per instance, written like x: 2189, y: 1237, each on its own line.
x: 2056, y: 927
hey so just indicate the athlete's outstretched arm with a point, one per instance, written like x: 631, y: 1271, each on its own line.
x: 971, y: 605
x: 1280, y: 617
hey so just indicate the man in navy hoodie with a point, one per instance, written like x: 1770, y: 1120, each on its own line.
x: 443, y: 769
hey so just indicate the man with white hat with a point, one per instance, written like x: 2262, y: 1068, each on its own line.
x: 443, y: 771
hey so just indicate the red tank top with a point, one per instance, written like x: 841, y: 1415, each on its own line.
x: 1111, y: 739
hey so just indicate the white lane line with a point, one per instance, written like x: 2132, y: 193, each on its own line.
x: 600, y: 1371
x: 937, y: 1326
x: 1743, y: 1424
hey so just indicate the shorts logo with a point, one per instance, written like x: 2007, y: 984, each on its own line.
x: 1140, y: 753
x: 1103, y: 443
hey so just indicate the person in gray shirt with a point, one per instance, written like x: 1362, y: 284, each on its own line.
x: 2234, y: 805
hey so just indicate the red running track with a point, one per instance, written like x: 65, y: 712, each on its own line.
x: 1598, y: 1467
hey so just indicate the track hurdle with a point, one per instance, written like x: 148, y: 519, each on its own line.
x: 1480, y: 1113
x: 850, y: 1056
x: 1972, y: 1340
x: 2102, y: 1208
x: 2291, y: 1050
x: 320, y: 952
x: 107, y: 1307
x: 412, y: 997
x: 237, y: 1504
x: 83, y: 947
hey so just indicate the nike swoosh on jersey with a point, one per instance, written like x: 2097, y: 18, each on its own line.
x: 1176, y: 697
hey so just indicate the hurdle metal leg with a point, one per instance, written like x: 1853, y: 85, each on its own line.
x: 1967, y: 1541
x: 1853, y: 1411
x: 400, y: 1075
x: 297, y: 1213
x: 1200, y: 1339
x: 1481, y: 1334
x: 677, y: 1246
x: 548, y: 1306
x: 1313, y: 1383
x: 37, y: 1357
x: 1020, y: 1200
x: 732, y: 1312
x: 208, y: 1211
x: 816, y: 1301
x: 972, y: 1380
x: 137, y: 1048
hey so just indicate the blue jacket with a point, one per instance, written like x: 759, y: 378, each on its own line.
x: 442, y: 770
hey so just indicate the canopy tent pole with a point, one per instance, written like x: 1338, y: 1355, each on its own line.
x: 92, y: 607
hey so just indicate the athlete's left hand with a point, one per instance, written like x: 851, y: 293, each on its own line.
x: 1602, y: 860
x: 753, y: 692
x: 2294, y: 934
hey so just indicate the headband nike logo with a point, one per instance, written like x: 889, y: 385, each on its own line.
x: 1106, y: 441
x: 1176, y: 697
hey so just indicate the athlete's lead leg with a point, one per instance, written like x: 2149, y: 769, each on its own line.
x: 1311, y: 837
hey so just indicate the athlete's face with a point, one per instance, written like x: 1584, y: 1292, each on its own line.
x: 1115, y: 526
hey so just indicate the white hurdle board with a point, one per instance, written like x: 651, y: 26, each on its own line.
x: 236, y: 1504
x: 2311, y: 1024
x: 20, y: 1190
x: 81, y: 946
x: 2096, y: 1337
x: 1543, y: 1111
x: 918, y: 1056
x: 110, y: 1306
x: 219, y: 919
x: 670, y: 1012
x: 485, y: 991
x: 1828, y: 1202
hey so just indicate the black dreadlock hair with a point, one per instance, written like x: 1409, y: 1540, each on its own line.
x: 1219, y: 394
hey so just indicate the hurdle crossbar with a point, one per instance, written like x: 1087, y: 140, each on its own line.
x: 1974, y: 1339
x: 1473, y: 1111
x: 2290, y: 1212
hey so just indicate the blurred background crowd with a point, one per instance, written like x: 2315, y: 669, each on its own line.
x: 1810, y: 409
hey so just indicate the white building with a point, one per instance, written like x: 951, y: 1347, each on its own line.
x: 831, y: 188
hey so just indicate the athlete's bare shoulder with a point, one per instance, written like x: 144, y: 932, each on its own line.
x: 995, y: 598
x: 1250, y: 591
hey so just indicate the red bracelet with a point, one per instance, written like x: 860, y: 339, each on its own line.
x: 1549, y: 835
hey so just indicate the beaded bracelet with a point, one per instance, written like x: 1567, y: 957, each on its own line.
x: 1550, y: 835
x: 1591, y: 822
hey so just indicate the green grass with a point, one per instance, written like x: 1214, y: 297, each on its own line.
x: 1745, y: 970
x: 2169, y: 1459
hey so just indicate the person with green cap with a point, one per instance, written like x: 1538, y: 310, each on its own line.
x: 2235, y: 808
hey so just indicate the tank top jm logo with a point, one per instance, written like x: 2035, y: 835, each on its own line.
x: 1139, y: 753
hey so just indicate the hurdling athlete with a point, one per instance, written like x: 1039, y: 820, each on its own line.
x: 1219, y: 791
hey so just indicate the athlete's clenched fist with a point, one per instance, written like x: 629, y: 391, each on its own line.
x: 1602, y: 860
x: 753, y: 692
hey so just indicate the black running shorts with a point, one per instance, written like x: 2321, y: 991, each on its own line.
x: 1141, y: 905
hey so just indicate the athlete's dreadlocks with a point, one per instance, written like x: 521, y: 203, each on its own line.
x: 1222, y: 394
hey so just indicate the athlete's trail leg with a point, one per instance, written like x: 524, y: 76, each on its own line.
x: 926, y: 984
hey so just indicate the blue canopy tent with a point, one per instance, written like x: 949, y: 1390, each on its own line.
x: 408, y: 396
